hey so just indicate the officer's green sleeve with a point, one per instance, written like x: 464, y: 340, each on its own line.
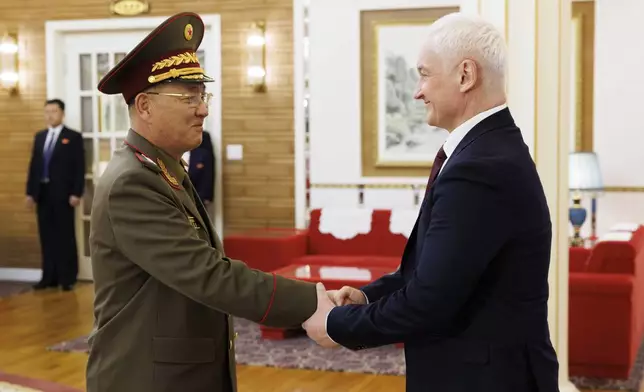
x: 151, y: 231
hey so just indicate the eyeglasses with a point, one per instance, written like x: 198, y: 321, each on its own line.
x: 190, y: 99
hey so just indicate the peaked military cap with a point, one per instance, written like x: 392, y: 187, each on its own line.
x: 169, y: 53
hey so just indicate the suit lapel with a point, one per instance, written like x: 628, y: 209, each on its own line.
x: 411, y: 243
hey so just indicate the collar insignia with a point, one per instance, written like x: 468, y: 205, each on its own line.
x: 193, y: 223
x: 168, y: 177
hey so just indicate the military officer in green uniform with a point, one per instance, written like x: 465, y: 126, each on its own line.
x: 164, y: 288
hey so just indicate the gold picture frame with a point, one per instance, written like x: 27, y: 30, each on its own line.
x: 583, y: 62
x: 395, y: 138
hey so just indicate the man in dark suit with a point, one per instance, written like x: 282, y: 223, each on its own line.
x: 201, y: 169
x: 469, y: 299
x: 55, y: 185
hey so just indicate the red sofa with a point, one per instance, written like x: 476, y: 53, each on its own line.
x: 606, y: 305
x: 270, y: 249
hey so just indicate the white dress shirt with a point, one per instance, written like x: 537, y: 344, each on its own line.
x: 458, y: 134
x: 52, y: 136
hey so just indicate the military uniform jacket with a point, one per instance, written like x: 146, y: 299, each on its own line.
x: 164, y: 289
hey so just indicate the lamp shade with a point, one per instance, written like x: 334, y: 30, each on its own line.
x: 584, y: 173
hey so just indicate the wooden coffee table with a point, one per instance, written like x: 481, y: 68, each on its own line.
x: 333, y: 277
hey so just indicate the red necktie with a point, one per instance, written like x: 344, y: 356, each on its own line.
x: 436, y: 167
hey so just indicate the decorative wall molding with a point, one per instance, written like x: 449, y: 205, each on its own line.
x: 629, y: 189
x: 366, y: 186
x: 611, y: 189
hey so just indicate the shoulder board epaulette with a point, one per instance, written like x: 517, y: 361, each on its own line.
x: 147, y: 162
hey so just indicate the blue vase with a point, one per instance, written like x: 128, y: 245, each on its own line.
x: 577, y: 216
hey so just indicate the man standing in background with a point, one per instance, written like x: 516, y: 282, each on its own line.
x: 201, y: 169
x: 55, y: 185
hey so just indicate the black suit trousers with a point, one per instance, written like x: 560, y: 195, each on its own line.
x: 56, y: 227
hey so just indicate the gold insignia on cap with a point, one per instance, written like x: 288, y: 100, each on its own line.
x: 173, y: 61
x: 171, y: 179
x: 192, y: 77
x: 188, y: 31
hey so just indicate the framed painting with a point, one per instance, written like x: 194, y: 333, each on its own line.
x: 396, y: 139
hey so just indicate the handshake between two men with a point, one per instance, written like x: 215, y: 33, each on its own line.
x: 315, y: 326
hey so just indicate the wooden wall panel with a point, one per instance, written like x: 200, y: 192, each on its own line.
x: 258, y: 191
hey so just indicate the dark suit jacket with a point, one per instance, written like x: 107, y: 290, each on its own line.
x: 470, y: 297
x: 201, y: 168
x: 66, y: 167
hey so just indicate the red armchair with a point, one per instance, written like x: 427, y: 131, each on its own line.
x: 606, y: 306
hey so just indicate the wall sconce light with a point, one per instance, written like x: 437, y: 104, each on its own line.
x: 9, y: 63
x: 256, y: 47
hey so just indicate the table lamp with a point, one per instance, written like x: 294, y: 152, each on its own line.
x: 584, y: 176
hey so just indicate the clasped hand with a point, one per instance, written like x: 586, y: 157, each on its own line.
x: 315, y: 326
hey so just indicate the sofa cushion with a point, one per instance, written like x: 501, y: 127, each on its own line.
x: 614, y: 253
x: 578, y: 258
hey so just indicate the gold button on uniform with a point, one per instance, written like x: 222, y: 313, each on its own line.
x: 231, y: 341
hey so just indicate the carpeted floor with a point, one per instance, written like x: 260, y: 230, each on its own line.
x: 14, y: 383
x: 297, y: 352
x: 8, y: 289
x: 300, y: 352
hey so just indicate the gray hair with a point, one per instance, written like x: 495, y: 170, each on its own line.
x: 456, y: 36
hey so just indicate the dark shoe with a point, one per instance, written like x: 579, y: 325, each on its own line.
x: 42, y: 286
x: 67, y: 288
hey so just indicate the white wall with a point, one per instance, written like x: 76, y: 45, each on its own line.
x: 619, y: 130
x: 335, y: 109
x: 618, y: 125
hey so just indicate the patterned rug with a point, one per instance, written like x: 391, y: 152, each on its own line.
x: 301, y: 353
x: 8, y: 289
x: 297, y: 353
x: 14, y: 383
